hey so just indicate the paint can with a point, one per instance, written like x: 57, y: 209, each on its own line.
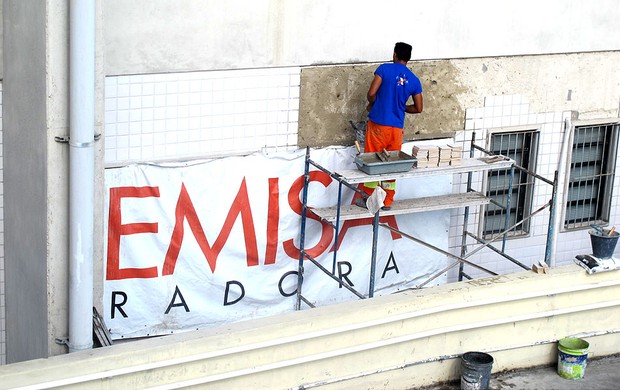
x: 603, y: 245
x: 572, y: 357
x: 476, y: 370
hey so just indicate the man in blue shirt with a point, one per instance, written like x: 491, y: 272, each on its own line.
x: 387, y: 96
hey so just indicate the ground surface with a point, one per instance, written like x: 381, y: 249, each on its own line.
x: 600, y: 374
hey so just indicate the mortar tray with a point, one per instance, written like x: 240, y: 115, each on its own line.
x: 398, y: 161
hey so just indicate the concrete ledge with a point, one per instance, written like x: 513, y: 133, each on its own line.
x: 399, y: 341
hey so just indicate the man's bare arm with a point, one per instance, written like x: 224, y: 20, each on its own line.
x: 417, y: 106
x: 371, y: 96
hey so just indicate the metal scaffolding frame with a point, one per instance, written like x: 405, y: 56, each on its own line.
x: 333, y: 216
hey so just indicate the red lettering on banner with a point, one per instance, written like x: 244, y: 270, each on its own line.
x: 273, y: 219
x: 293, y: 200
x: 239, y: 209
x: 116, y: 229
x: 185, y: 211
x: 326, y: 234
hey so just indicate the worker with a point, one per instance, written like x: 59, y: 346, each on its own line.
x: 388, y: 95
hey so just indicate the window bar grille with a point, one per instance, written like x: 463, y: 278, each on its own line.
x: 589, y: 200
x: 518, y: 146
x: 508, y: 205
x: 591, y: 175
x: 598, y: 172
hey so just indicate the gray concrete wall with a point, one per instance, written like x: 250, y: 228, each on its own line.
x: 36, y: 176
x: 585, y: 82
x: 146, y: 36
x: 1, y: 35
x: 25, y: 180
x: 57, y: 178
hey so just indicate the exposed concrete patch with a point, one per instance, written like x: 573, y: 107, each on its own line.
x: 333, y: 96
x: 443, y: 110
x: 329, y: 98
x: 593, y: 80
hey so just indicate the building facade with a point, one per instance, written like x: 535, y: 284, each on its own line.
x: 194, y: 79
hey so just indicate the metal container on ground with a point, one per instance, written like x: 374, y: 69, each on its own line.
x: 572, y: 357
x: 476, y: 370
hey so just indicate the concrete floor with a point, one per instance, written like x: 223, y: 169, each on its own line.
x: 600, y: 374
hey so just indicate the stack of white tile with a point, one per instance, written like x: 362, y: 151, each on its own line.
x: 437, y: 155
x: 444, y: 156
x: 427, y: 155
x: 456, y: 154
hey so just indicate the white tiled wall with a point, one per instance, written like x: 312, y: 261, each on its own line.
x: 200, y: 114
x: 2, y: 301
x: 506, y: 112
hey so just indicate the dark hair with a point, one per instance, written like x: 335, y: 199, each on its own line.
x: 403, y: 51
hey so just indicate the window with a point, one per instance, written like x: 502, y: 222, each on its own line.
x: 591, y: 175
x: 521, y: 146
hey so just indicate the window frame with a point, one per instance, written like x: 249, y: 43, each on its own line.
x: 612, y: 162
x: 529, y: 189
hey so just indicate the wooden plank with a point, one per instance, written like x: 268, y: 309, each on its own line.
x: 408, y: 206
x: 355, y: 176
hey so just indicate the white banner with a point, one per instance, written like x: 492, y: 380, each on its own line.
x: 196, y: 245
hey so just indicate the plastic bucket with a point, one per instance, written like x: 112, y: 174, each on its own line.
x: 603, y: 246
x: 572, y: 358
x: 476, y: 370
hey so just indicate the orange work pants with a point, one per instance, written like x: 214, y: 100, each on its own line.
x: 379, y: 137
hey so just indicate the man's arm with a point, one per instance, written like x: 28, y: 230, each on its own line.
x: 371, y: 96
x: 417, y: 106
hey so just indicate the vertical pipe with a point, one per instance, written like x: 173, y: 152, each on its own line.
x: 81, y: 171
x: 337, y: 232
x: 508, y: 206
x: 551, y: 233
x: 302, y: 234
x: 555, y: 223
x: 466, y: 215
x: 373, y: 262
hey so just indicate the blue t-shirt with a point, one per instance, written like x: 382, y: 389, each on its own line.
x: 397, y: 84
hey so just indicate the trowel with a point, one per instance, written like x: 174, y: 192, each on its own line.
x: 383, y: 155
x: 359, y: 148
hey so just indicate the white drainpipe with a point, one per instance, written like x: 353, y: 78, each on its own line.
x: 567, y: 139
x: 81, y: 171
